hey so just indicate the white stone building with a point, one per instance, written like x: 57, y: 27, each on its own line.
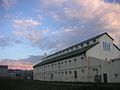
x: 3, y: 71
x: 94, y: 60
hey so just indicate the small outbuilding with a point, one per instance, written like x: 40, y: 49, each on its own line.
x: 3, y: 71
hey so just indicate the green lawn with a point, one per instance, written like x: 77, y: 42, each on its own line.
x: 7, y: 84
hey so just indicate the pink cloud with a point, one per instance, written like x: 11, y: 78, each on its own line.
x: 2, y: 36
x: 7, y: 4
x: 26, y: 63
x: 24, y: 24
x: 85, y: 11
x: 14, y: 64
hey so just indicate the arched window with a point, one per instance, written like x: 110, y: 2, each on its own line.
x: 75, y: 74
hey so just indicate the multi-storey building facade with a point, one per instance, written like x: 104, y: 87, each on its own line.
x: 88, y: 61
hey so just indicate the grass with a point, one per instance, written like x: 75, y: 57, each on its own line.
x: 8, y: 84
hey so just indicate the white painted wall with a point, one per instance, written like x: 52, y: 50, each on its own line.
x: 98, y: 52
x: 86, y: 68
x: 115, y: 69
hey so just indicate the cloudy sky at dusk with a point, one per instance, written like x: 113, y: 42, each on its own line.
x: 30, y: 28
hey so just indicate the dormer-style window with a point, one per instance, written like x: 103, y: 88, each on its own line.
x: 67, y: 50
x: 81, y: 45
x: 106, y: 46
x: 87, y: 43
x: 76, y: 47
x: 60, y: 53
x: 94, y: 40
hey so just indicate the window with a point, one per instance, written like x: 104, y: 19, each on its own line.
x: 87, y: 43
x: 82, y: 57
x: 51, y: 76
x: 69, y: 60
x: 83, y: 70
x: 116, y: 75
x: 66, y: 72
x: 106, y: 46
x: 75, y: 59
x: 67, y: 50
x: 52, y: 65
x: 81, y: 45
x: 76, y: 47
x: 75, y: 74
x: 61, y: 62
x: 70, y: 72
x: 94, y: 41
x: 65, y: 61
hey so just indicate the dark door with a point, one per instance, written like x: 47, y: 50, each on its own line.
x: 105, y: 78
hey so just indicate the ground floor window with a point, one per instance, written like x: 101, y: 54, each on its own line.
x: 75, y: 74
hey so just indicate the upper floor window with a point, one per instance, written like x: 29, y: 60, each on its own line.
x: 87, y: 43
x: 65, y: 61
x: 71, y: 48
x: 75, y: 59
x: 61, y: 62
x: 76, y: 47
x: 52, y: 64
x: 69, y: 60
x: 81, y: 45
x: 106, y: 46
x: 94, y: 40
x: 82, y: 57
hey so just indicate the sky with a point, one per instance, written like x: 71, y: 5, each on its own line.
x: 30, y: 28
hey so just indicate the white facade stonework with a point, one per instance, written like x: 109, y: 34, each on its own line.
x: 90, y: 61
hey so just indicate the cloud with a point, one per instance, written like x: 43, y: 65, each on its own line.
x: 24, y: 24
x: 4, y: 42
x: 8, y: 41
x: 2, y: 36
x: 23, y: 64
x: 97, y: 16
x: 26, y: 29
x: 4, y: 16
x: 7, y: 4
x: 35, y: 37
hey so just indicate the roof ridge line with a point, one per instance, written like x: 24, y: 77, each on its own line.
x: 97, y: 36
